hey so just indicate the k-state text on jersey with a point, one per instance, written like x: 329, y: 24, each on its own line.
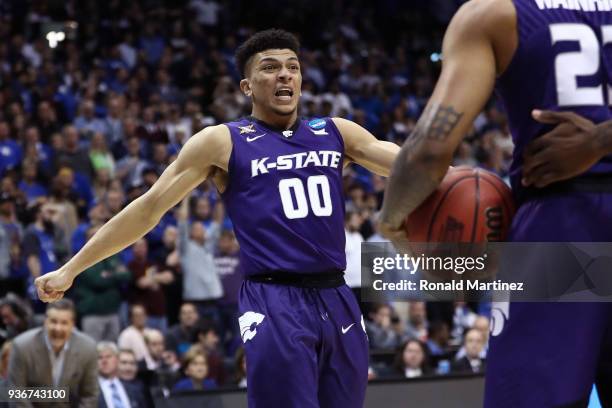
x: 321, y: 158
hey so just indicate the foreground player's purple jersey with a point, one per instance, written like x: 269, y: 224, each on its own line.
x: 285, y: 197
x: 563, y: 62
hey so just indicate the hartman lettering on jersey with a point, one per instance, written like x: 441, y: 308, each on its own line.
x: 321, y: 158
x: 584, y: 5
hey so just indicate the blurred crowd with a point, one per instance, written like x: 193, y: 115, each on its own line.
x: 89, y: 122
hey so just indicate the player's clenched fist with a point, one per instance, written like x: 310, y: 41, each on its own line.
x: 51, y: 286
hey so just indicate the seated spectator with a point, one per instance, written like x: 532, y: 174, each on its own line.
x: 240, y: 367
x: 132, y: 337
x: 163, y: 370
x: 114, y: 392
x: 379, y: 329
x: 463, y: 319
x: 482, y: 325
x: 180, y: 337
x: 56, y: 355
x: 411, y: 360
x: 472, y: 361
x: 437, y: 343
x: 98, y: 296
x: 416, y: 327
x: 15, y: 315
x: 208, y: 341
x: 196, y: 371
x: 128, y: 366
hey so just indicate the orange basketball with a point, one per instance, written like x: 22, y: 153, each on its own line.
x: 470, y: 205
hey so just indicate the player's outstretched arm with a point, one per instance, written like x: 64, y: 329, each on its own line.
x: 363, y: 148
x: 204, y: 150
x: 469, y: 68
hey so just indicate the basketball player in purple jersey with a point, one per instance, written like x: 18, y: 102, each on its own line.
x: 553, y: 55
x: 281, y: 180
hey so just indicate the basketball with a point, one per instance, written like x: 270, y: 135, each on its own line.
x: 470, y: 205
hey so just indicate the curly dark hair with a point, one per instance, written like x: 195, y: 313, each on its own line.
x: 264, y: 40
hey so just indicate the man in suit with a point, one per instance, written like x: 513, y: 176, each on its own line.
x: 56, y: 355
x: 115, y: 393
x: 472, y: 361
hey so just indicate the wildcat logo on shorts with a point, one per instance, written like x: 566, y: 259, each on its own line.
x: 248, y: 325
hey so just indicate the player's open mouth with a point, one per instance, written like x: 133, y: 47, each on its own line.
x: 284, y: 94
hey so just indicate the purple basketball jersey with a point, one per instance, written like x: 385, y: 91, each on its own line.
x: 285, y: 196
x: 563, y: 62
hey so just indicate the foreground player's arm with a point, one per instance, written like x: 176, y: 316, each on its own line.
x: 201, y: 152
x: 546, y: 158
x: 363, y: 148
x: 465, y: 84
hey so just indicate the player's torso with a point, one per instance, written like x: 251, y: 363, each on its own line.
x: 563, y: 62
x: 284, y: 196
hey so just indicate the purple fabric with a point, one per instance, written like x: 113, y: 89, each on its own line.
x: 285, y: 197
x: 309, y: 349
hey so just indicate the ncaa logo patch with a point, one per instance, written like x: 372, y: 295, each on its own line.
x: 317, y: 124
x: 248, y: 325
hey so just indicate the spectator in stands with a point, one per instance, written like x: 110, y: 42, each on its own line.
x: 482, y: 325
x: 181, y: 336
x: 132, y: 337
x: 463, y: 319
x: 240, y: 368
x: 472, y: 362
x: 167, y: 258
x: 5, y: 353
x: 15, y: 315
x: 208, y: 341
x: 128, y: 366
x: 437, y: 339
x: 148, y: 282
x: 57, y: 355
x: 101, y: 158
x: 114, y: 392
x: 201, y: 283
x: 411, y: 360
x: 379, y: 328
x: 164, y: 368
x: 129, y: 167
x: 29, y: 183
x: 114, y: 200
x: 72, y: 154
x: 43, y: 247
x: 196, y: 370
x: 416, y: 327
x: 98, y: 295
x: 227, y: 264
x: 352, y: 274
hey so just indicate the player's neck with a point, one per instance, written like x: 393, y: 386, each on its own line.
x: 275, y: 120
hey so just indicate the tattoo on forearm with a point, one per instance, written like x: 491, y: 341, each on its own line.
x: 411, y: 182
x: 436, y: 123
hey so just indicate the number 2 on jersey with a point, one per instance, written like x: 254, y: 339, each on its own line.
x: 293, y: 197
x: 573, y: 64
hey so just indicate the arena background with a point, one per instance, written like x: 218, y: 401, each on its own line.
x: 97, y: 98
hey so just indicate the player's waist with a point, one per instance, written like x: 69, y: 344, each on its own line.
x: 586, y: 183
x: 319, y: 280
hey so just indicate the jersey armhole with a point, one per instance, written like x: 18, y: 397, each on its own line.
x: 230, y: 163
